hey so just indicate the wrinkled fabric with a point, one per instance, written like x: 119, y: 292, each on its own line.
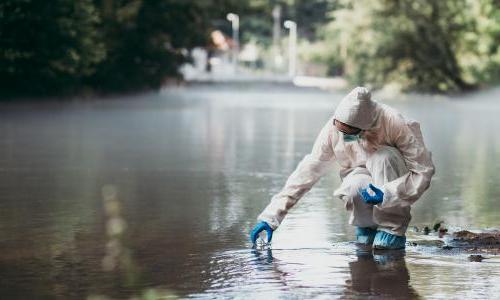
x: 382, y: 166
x: 388, y: 128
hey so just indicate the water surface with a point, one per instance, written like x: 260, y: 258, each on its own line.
x: 155, y: 195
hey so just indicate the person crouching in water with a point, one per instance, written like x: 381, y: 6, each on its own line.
x: 385, y: 168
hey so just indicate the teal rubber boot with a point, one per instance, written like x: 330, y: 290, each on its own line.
x: 386, y: 241
x: 365, y: 235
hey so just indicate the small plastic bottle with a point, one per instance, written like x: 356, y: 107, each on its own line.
x: 262, y: 240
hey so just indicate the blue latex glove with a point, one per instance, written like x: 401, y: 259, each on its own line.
x: 258, y: 229
x: 369, y: 199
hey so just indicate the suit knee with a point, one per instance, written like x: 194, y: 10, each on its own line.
x: 356, y: 185
x: 386, y: 161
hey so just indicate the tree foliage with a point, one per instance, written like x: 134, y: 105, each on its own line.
x: 422, y: 45
x: 47, y: 45
x: 146, y: 42
x: 59, y: 46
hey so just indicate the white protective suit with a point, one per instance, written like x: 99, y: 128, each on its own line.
x: 391, y: 154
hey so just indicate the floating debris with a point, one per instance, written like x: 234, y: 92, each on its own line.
x: 442, y: 232
x: 437, y: 226
x: 475, y: 242
x: 489, y: 238
x: 476, y: 257
x: 427, y: 243
x: 427, y: 230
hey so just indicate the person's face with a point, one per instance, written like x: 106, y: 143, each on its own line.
x: 346, y: 129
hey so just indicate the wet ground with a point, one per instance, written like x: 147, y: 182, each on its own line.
x: 154, y: 195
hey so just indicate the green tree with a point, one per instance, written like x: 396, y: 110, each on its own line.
x: 311, y: 16
x: 58, y: 46
x: 147, y: 41
x: 47, y: 46
x: 479, y: 51
x: 413, y: 43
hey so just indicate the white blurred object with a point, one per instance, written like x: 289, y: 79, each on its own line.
x: 249, y: 53
x: 292, y: 47
x: 235, y: 22
x: 329, y: 83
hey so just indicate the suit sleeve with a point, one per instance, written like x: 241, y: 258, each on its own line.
x: 312, y: 167
x: 407, y: 137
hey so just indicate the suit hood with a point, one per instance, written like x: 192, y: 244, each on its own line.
x: 357, y: 109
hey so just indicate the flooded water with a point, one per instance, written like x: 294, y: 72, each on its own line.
x: 154, y: 196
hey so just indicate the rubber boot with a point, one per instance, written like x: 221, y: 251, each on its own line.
x: 365, y: 235
x: 386, y: 241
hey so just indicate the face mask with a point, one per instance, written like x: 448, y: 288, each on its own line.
x: 351, y: 137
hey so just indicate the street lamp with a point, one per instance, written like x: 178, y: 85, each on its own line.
x: 292, y: 47
x: 277, y: 57
x: 235, y: 22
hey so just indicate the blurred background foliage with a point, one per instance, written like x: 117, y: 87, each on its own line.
x: 423, y: 45
x: 57, y: 47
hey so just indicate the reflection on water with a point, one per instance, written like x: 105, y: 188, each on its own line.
x: 382, y: 274
x: 344, y: 271
x: 155, y: 195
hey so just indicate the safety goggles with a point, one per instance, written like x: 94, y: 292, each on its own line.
x: 356, y: 131
x: 350, y: 137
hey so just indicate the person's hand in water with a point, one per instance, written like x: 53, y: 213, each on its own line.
x: 258, y: 229
x: 372, y: 199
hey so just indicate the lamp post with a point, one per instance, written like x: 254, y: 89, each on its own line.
x: 292, y: 47
x: 276, y: 51
x: 235, y: 22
